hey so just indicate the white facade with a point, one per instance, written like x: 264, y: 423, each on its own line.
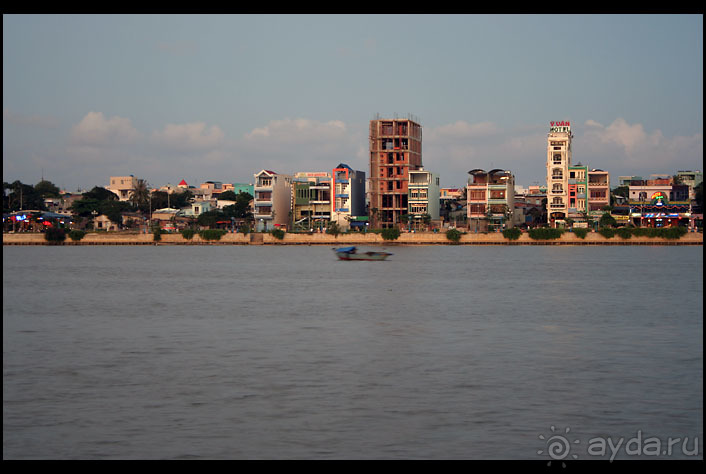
x: 558, y: 162
x: 424, y: 193
x: 273, y: 200
x: 348, y: 195
x: 122, y: 186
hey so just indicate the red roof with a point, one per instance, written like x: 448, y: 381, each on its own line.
x: 183, y: 183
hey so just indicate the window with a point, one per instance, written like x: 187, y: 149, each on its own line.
x: 477, y: 195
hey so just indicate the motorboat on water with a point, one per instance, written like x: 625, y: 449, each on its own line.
x: 351, y: 253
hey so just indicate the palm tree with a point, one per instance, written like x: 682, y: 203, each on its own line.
x: 139, y: 195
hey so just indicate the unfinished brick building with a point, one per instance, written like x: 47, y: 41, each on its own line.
x: 395, y: 150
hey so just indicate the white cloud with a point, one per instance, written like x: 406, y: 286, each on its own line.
x: 95, y: 130
x: 189, y: 136
x: 300, y: 130
x: 630, y: 146
x: 291, y: 145
x: 629, y: 137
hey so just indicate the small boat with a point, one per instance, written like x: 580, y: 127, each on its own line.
x: 351, y: 253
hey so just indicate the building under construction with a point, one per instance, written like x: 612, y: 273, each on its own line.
x: 395, y: 150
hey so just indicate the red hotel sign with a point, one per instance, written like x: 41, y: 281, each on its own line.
x: 563, y: 126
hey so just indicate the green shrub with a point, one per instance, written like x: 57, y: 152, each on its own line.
x: 77, y: 235
x: 454, y: 235
x: 333, y: 229
x: 624, y: 232
x: 54, y: 235
x: 512, y: 233
x: 391, y: 233
x: 673, y: 232
x: 545, y: 233
x: 244, y: 229
x: 277, y: 233
x: 212, y: 234
x: 580, y: 232
x: 157, y: 235
x: 645, y: 232
x: 607, y: 232
x: 188, y: 234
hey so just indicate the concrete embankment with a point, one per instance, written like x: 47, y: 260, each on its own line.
x: 417, y: 238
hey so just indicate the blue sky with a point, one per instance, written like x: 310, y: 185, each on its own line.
x: 220, y: 97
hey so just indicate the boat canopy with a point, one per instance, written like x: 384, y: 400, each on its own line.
x: 346, y: 249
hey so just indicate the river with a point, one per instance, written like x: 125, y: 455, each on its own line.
x: 284, y: 352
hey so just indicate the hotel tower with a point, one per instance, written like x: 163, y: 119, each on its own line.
x: 558, y: 163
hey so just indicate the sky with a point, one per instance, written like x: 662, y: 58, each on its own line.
x: 220, y: 97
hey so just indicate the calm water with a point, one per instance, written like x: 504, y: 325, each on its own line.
x: 442, y: 352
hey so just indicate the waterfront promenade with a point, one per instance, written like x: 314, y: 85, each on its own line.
x: 417, y: 238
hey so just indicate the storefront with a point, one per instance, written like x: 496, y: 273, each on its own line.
x: 659, y: 212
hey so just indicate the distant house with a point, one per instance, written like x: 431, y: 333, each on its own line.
x: 198, y: 207
x: 273, y: 200
x: 348, y: 197
x: 424, y: 194
x: 101, y: 222
x: 122, y: 186
x: 491, y: 199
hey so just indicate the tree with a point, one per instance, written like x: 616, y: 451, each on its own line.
x: 85, y: 206
x: 241, y: 208
x: 209, y: 218
x: 47, y: 189
x: 179, y: 200
x: 161, y: 200
x: 140, y: 195
x: 607, y: 220
x: 101, y: 194
x: 623, y: 191
x: 228, y: 196
x: 113, y: 210
x: 21, y: 196
x: 333, y: 229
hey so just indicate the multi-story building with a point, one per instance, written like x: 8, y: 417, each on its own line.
x: 211, y: 189
x: 691, y: 179
x: 311, y: 200
x: 348, y: 200
x: 659, y: 202
x: 598, y: 192
x: 424, y: 197
x: 491, y: 200
x: 272, y: 199
x: 395, y: 150
x: 558, y: 163
x: 577, y: 192
x: 122, y: 186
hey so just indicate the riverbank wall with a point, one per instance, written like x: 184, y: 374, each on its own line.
x: 372, y: 239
